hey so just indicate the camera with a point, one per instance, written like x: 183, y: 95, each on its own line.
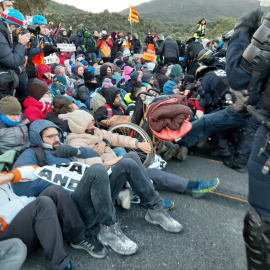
x: 149, y: 38
x: 24, y: 32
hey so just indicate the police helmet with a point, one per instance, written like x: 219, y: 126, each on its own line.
x: 189, y: 39
x: 205, y: 56
x: 13, y: 16
x: 227, y: 35
x: 38, y: 19
x: 201, y: 71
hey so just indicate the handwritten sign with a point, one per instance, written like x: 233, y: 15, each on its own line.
x: 64, y: 47
x: 51, y: 59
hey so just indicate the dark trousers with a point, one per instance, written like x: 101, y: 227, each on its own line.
x: 39, y: 222
x: 96, y: 191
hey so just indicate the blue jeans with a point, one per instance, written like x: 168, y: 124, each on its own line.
x: 213, y: 123
x: 119, y: 151
x: 97, y: 191
x: 93, y: 56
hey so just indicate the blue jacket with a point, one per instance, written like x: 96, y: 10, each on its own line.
x: 28, y: 157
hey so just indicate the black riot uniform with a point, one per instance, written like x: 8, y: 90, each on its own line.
x: 251, y: 70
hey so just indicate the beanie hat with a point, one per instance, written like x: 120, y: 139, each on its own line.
x: 79, y: 120
x: 138, y: 66
x: 92, y: 63
x: 73, y: 68
x: 107, y: 83
x: 120, y: 64
x: 58, y: 68
x: 176, y: 71
x: 88, y: 76
x: 134, y: 75
x: 131, y: 64
x: 37, y: 90
x: 177, y: 79
x: 113, y: 35
x: 150, y: 66
x: 10, y: 106
x: 117, y: 69
x: 61, y: 79
x: 147, y: 77
x: 85, y: 63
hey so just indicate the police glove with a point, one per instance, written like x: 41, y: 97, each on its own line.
x: 248, y: 23
x: 239, y: 100
x: 65, y: 151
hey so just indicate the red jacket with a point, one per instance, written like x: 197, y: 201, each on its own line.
x: 36, y: 110
x: 63, y: 58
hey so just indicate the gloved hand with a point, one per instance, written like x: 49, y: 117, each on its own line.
x: 49, y: 49
x: 65, y: 151
x: 239, y: 100
x: 248, y: 23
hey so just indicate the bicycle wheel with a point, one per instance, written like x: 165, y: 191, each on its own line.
x: 134, y: 131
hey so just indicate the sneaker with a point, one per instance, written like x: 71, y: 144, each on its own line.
x: 171, y: 152
x: 168, y: 204
x: 93, y: 247
x: 182, y: 153
x: 204, y: 187
x: 123, y: 198
x: 113, y: 237
x: 161, y: 217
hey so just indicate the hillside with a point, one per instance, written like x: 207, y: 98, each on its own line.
x: 190, y: 11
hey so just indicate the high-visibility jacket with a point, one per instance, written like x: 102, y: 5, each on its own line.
x: 39, y: 59
x: 202, y: 29
x: 105, y: 49
x: 127, y: 46
x: 150, y: 53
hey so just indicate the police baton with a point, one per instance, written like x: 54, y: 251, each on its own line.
x: 263, y: 119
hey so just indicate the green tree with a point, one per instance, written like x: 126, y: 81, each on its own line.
x: 31, y: 7
x: 222, y: 25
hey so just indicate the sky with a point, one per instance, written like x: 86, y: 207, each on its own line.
x: 98, y: 6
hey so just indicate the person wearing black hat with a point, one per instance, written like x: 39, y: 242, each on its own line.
x: 112, y: 106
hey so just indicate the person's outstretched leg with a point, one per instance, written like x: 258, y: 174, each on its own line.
x: 38, y: 222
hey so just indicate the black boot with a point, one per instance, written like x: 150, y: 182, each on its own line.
x: 237, y: 163
x: 222, y: 149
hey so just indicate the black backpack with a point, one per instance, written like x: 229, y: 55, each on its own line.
x: 41, y: 158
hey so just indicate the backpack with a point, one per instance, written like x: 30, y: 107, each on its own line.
x: 41, y: 158
x: 109, y: 110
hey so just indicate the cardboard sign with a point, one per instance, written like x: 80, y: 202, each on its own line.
x: 51, y: 59
x: 64, y: 47
x: 66, y: 175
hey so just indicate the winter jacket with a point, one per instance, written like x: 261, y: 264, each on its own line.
x: 11, y: 204
x: 90, y: 44
x: 109, y: 44
x: 64, y: 58
x: 28, y: 157
x: 63, y: 124
x: 137, y: 45
x: 15, y: 138
x: 78, y: 123
x: 63, y: 39
x: 36, y: 110
x: 169, y: 48
x: 11, y: 56
x: 78, y: 41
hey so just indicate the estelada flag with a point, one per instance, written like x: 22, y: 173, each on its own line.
x: 133, y: 14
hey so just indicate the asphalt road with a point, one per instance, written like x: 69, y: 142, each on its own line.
x: 212, y: 227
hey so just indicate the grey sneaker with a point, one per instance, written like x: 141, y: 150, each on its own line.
x: 93, y: 247
x: 114, y: 237
x: 162, y: 218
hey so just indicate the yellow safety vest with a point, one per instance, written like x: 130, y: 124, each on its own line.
x: 202, y: 29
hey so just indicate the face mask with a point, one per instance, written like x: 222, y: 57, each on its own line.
x: 87, y: 34
x: 80, y: 34
x: 49, y: 100
x: 91, y: 86
x: 9, y: 122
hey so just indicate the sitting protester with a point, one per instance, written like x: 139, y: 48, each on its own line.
x: 163, y: 77
x: 112, y: 106
x: 127, y: 71
x: 13, y: 126
x: 44, y: 73
x: 38, y: 104
x: 105, y: 70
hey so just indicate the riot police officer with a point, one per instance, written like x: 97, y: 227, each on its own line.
x: 250, y: 71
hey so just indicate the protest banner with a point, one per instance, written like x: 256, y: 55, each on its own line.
x: 51, y: 59
x: 64, y: 47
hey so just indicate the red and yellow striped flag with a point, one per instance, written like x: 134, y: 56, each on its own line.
x: 133, y: 15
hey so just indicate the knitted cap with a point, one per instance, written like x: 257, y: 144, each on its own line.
x: 10, y: 106
x: 58, y: 68
x: 61, y: 79
x: 37, y: 90
x: 88, y: 76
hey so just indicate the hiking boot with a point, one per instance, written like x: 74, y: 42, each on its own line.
x: 236, y: 163
x: 113, y: 237
x: 161, y: 217
x: 222, y: 149
x: 123, y: 198
x: 171, y: 152
x: 204, y: 187
x: 93, y: 247
x: 182, y: 153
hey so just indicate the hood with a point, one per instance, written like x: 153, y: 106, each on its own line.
x: 118, y: 79
x: 37, y: 127
x: 32, y: 102
x: 41, y: 70
x: 79, y: 120
x: 127, y: 71
x: 168, y: 87
x: 110, y: 95
x: 62, y: 31
x: 113, y: 35
x: 79, y: 30
x: 176, y: 71
x: 168, y: 37
x: 103, y: 70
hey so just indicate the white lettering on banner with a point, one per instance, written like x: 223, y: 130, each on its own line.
x: 220, y: 73
x: 66, y: 175
x: 64, y: 47
x: 51, y: 59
